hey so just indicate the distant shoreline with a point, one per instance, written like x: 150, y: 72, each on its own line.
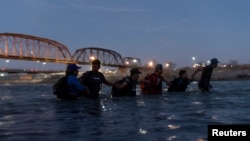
x: 219, y: 74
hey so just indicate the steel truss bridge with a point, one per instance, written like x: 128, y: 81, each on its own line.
x: 32, y: 48
x: 106, y: 56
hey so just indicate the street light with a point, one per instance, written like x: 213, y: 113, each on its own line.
x: 208, y: 61
x: 127, y: 62
x: 194, y: 64
x: 193, y: 58
x: 150, y: 63
x: 92, y: 58
x: 167, y: 65
x: 44, y: 63
x: 6, y: 62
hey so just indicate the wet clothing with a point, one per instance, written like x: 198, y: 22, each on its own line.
x: 75, y: 87
x: 179, y: 85
x: 155, y: 86
x: 128, y: 90
x: 204, y: 82
x: 68, y: 88
x: 93, y: 81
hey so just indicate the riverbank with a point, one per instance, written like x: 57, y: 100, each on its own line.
x: 219, y: 74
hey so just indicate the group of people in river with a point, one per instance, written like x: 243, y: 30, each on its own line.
x: 89, y: 84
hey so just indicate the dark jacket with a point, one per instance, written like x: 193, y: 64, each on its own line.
x: 128, y: 90
x: 179, y: 85
x: 204, y: 82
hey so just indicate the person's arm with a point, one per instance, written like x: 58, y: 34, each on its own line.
x: 105, y: 81
x: 108, y: 83
x: 190, y: 79
x: 122, y: 85
x: 195, y: 72
x: 74, y: 81
x: 167, y: 83
x: 173, y: 82
x: 143, y: 80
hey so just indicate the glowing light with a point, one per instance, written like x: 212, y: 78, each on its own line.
x: 196, y: 65
x: 92, y: 57
x: 167, y: 65
x: 150, y: 63
x: 6, y: 63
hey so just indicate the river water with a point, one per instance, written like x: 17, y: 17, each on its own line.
x: 32, y: 112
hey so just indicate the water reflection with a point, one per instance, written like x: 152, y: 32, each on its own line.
x: 33, y: 112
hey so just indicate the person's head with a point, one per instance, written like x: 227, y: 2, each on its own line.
x: 72, y: 69
x: 214, y: 62
x: 183, y: 73
x: 96, y: 65
x: 134, y: 73
x: 159, y: 69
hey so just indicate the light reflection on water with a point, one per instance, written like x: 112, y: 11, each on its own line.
x: 32, y: 112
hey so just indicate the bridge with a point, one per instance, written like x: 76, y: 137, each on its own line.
x: 132, y: 61
x: 32, y: 48
x: 107, y: 57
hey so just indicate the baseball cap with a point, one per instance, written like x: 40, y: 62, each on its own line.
x: 71, y: 67
x: 214, y: 61
x: 135, y: 71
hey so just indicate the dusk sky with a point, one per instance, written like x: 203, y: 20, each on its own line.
x: 162, y: 30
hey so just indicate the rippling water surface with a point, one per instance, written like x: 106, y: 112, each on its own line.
x: 31, y: 112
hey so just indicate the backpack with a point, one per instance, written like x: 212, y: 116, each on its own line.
x: 61, y: 88
x: 126, y: 91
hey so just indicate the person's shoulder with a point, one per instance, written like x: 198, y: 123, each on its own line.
x: 125, y: 79
x: 128, y: 79
x: 200, y: 68
x: 87, y: 72
x: 150, y: 75
x: 176, y: 78
x: 208, y: 67
x: 100, y: 74
x: 92, y: 73
x: 71, y: 78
